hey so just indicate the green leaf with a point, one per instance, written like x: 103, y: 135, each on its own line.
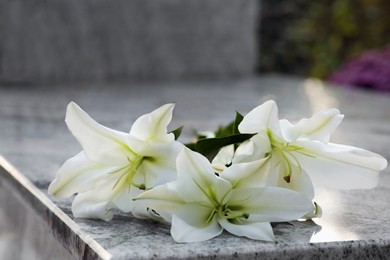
x: 231, y: 128
x: 224, y: 131
x: 237, y: 121
x: 177, y: 132
x: 209, y: 147
x: 191, y: 146
x: 225, y: 135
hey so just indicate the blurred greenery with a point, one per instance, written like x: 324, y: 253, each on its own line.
x: 313, y: 38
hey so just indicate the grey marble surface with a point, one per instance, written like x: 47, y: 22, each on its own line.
x: 34, y: 138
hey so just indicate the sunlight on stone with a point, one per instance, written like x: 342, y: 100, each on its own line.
x: 319, y: 96
x: 330, y: 233
x: 331, y: 227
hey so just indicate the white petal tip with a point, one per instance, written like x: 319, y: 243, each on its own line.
x: 167, y: 107
x: 72, y: 105
x: 270, y: 102
x: 51, y: 190
x: 55, y: 191
x: 71, y: 110
x: 383, y: 164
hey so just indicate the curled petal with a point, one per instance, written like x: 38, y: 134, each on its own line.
x: 317, y: 213
x: 260, y: 118
x: 153, y: 126
x: 254, y: 230
x: 99, y: 143
x: 77, y: 174
x: 270, y: 204
x: 340, y: 166
x: 140, y: 211
x: 194, y: 223
x: 92, y: 204
x: 318, y: 127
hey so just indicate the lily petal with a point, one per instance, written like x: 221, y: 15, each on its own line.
x: 260, y: 118
x: 99, y: 143
x: 253, y: 174
x: 253, y: 149
x: 254, y: 230
x: 159, y: 150
x: 162, y: 198
x: 197, y: 178
x: 92, y: 204
x: 77, y: 174
x: 271, y: 204
x: 299, y: 181
x: 192, y: 223
x: 244, y: 152
x: 340, y: 166
x: 223, y: 158
x: 289, y: 132
x: 153, y: 126
x: 140, y: 211
x: 108, y: 193
x: 155, y: 171
x: 123, y: 198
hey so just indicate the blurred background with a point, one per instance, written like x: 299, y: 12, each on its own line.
x: 314, y: 38
x: 54, y: 41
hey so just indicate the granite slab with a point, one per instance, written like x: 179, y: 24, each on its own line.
x: 35, y: 142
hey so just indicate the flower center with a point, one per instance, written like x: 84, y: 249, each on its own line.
x: 224, y: 211
x: 285, y: 152
x: 130, y: 171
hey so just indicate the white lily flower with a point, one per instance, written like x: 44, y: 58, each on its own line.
x: 201, y: 204
x: 114, y: 167
x: 302, y: 150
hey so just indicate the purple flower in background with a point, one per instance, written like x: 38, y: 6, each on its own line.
x: 371, y: 70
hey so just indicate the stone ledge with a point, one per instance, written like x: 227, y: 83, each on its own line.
x: 49, y: 230
x: 34, y: 138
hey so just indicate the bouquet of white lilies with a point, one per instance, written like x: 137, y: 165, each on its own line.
x: 256, y: 170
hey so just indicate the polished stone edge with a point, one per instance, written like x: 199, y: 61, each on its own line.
x: 354, y: 249
x: 64, y: 229
x: 82, y: 246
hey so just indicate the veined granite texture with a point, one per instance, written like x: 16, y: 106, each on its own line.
x: 34, y: 138
x: 100, y: 40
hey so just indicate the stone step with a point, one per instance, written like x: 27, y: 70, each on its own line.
x: 34, y: 138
